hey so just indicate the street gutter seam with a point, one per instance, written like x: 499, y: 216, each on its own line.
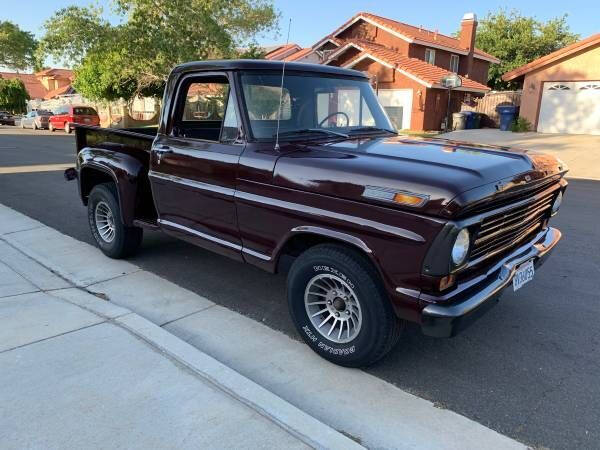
x: 187, y: 315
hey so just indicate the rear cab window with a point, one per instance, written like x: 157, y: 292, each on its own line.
x: 84, y: 111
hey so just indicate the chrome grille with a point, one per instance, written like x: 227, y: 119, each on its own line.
x: 506, y: 230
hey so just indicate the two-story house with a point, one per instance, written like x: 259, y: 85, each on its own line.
x: 46, y: 84
x: 405, y: 63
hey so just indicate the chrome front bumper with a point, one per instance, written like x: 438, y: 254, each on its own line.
x: 477, y: 296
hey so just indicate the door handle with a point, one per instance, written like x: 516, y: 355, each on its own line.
x: 161, y: 150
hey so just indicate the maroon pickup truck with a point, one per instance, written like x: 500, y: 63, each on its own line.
x: 380, y: 228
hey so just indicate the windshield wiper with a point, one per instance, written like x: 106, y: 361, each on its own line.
x: 371, y: 128
x: 313, y: 130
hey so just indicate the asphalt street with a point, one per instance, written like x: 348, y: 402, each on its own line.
x: 528, y: 369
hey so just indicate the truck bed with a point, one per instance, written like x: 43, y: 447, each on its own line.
x: 123, y: 139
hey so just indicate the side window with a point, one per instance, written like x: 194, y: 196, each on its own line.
x: 430, y: 56
x: 201, y: 108
x: 454, y: 60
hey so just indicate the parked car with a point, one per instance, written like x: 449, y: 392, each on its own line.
x: 379, y: 229
x: 66, y: 116
x: 36, y: 119
x: 6, y: 118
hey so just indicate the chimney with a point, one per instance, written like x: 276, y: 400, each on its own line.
x: 468, y: 27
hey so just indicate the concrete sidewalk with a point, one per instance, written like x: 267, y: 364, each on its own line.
x: 59, y: 374
x: 80, y: 372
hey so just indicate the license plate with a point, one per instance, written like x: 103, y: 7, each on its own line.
x: 523, y: 275
x: 86, y: 120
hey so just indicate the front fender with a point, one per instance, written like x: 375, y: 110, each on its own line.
x: 124, y: 170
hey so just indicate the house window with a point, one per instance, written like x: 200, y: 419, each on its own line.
x: 454, y: 63
x: 430, y: 56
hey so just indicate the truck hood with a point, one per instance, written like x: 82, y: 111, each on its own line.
x: 438, y: 168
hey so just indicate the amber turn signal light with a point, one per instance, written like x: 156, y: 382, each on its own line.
x: 406, y: 199
x: 446, y: 282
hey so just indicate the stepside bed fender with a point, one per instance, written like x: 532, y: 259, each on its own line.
x: 97, y: 166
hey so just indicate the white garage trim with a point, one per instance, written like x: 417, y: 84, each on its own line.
x: 395, y: 98
x: 571, y: 107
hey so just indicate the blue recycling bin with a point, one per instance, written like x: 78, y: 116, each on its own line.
x: 469, y: 119
x: 507, y: 116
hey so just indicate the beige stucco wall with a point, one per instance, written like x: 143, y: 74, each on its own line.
x: 581, y: 66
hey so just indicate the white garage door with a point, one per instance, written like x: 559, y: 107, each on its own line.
x: 398, y: 105
x: 570, y: 107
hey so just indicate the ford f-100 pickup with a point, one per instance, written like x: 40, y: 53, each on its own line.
x: 382, y: 229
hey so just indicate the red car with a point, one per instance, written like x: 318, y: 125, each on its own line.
x: 66, y: 116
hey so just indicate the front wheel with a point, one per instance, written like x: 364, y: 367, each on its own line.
x: 339, y: 307
x: 104, y: 216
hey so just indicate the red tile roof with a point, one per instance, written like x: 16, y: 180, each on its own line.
x: 279, y: 52
x: 58, y: 73
x: 553, y: 57
x: 415, y: 33
x: 34, y: 87
x: 299, y: 54
x: 414, y: 67
x: 57, y: 92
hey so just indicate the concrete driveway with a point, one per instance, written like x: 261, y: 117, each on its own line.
x: 580, y: 152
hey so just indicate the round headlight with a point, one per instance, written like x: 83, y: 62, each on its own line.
x: 461, y: 247
x: 557, y: 203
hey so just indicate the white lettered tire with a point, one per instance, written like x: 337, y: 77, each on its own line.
x: 339, y: 307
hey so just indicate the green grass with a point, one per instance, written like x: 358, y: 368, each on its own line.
x: 419, y: 133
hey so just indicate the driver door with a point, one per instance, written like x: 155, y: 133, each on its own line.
x: 194, y: 164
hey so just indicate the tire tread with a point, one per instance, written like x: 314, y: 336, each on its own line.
x: 390, y: 328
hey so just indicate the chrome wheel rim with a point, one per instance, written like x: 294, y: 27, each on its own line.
x: 333, y: 308
x: 105, y: 222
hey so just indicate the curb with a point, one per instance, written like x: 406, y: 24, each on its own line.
x: 296, y: 422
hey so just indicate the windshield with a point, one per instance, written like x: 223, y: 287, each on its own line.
x: 311, y: 104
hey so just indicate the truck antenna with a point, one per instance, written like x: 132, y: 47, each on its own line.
x: 281, y: 93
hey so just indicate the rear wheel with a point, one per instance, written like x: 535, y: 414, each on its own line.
x: 67, y: 128
x: 104, y: 216
x: 339, y: 307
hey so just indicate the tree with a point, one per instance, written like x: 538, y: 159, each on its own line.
x: 517, y: 40
x: 135, y: 56
x: 13, y: 95
x: 17, y: 47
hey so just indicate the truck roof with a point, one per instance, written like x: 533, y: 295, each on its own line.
x: 261, y: 64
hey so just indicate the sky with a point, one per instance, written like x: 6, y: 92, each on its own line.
x: 313, y: 19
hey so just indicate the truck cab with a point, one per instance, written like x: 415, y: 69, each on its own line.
x: 264, y: 163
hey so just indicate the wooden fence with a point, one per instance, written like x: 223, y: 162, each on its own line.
x: 487, y: 105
